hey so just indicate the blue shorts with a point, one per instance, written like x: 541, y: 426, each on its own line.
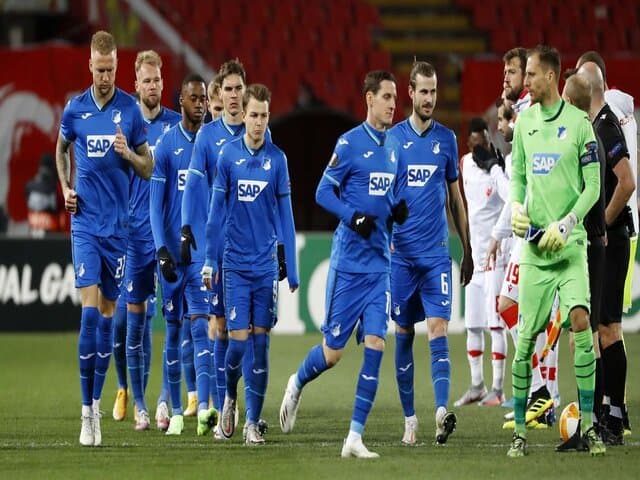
x: 188, y: 289
x: 140, y: 274
x: 217, y: 298
x: 420, y: 288
x: 250, y: 298
x: 352, y: 297
x: 99, y: 261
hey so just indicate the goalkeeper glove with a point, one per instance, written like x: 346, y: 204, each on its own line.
x: 187, y: 240
x: 363, y: 224
x: 282, y: 264
x: 520, y: 222
x: 167, y: 265
x: 556, y: 235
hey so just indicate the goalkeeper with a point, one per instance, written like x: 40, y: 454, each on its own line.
x: 555, y: 166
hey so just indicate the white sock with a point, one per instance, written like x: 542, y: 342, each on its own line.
x: 86, y: 410
x: 499, y: 355
x: 354, y: 437
x: 96, y: 405
x: 475, y: 343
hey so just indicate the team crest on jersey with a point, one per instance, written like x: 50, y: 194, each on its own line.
x: 435, y: 147
x: 335, y: 330
x: 393, y: 157
x: 334, y: 161
x: 379, y: 183
x: 248, y: 190
x: 166, y: 127
x: 267, y: 164
x: 116, y: 116
x: 419, y: 175
x: 99, y: 145
x: 489, y: 191
x: 562, y: 133
x: 169, y: 306
x: 543, y: 163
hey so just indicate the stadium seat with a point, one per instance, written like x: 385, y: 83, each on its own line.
x: 502, y: 39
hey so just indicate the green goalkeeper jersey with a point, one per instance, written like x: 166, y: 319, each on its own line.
x: 555, y: 167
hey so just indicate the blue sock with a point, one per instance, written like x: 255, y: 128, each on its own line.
x: 135, y: 356
x: 233, y: 369
x: 366, y: 388
x: 87, y: 351
x: 404, y: 371
x: 164, y: 390
x: 220, y: 353
x: 440, y: 370
x: 147, y: 345
x: 312, y: 366
x: 187, y: 355
x: 202, y: 359
x: 259, y: 377
x: 247, y: 365
x: 119, y: 342
x: 173, y: 365
x: 213, y: 387
x: 104, y: 347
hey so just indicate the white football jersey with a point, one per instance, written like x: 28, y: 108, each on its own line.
x: 485, y: 199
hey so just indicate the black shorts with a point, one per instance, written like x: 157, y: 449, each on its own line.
x: 596, y: 259
x: 616, y: 265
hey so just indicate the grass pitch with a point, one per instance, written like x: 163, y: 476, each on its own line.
x: 40, y: 405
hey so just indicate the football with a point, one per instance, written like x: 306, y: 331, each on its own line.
x: 569, y: 420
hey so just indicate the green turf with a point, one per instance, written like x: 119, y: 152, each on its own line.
x: 40, y: 405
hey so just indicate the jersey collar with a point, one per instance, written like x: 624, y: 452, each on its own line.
x: 233, y: 130
x: 376, y: 136
x: 106, y: 105
x: 417, y: 132
x: 188, y: 135
x: 252, y: 151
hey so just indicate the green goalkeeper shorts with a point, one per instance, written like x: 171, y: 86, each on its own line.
x: 538, y: 286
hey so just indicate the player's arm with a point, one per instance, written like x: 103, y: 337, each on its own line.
x: 520, y: 222
x: 459, y: 214
x: 190, y: 201
x: 215, y: 222
x: 63, y: 166
x: 157, y: 188
x: 617, y: 156
x: 287, y: 226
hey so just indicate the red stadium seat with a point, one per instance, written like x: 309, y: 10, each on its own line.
x: 502, y: 39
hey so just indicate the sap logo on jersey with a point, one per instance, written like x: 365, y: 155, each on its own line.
x: 99, y: 145
x: 248, y: 190
x: 543, y: 163
x: 379, y: 183
x: 419, y: 175
x: 182, y: 178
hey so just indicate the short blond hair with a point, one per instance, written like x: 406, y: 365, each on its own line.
x: 149, y: 57
x: 103, y: 43
x: 213, y: 89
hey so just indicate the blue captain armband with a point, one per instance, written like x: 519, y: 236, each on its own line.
x: 591, y: 155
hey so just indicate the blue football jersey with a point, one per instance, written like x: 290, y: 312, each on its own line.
x: 210, y: 139
x: 430, y: 161
x: 102, y: 175
x: 172, y: 156
x: 363, y: 168
x: 139, y: 224
x: 252, y: 182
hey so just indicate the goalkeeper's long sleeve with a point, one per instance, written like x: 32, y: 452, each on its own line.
x: 591, y: 192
